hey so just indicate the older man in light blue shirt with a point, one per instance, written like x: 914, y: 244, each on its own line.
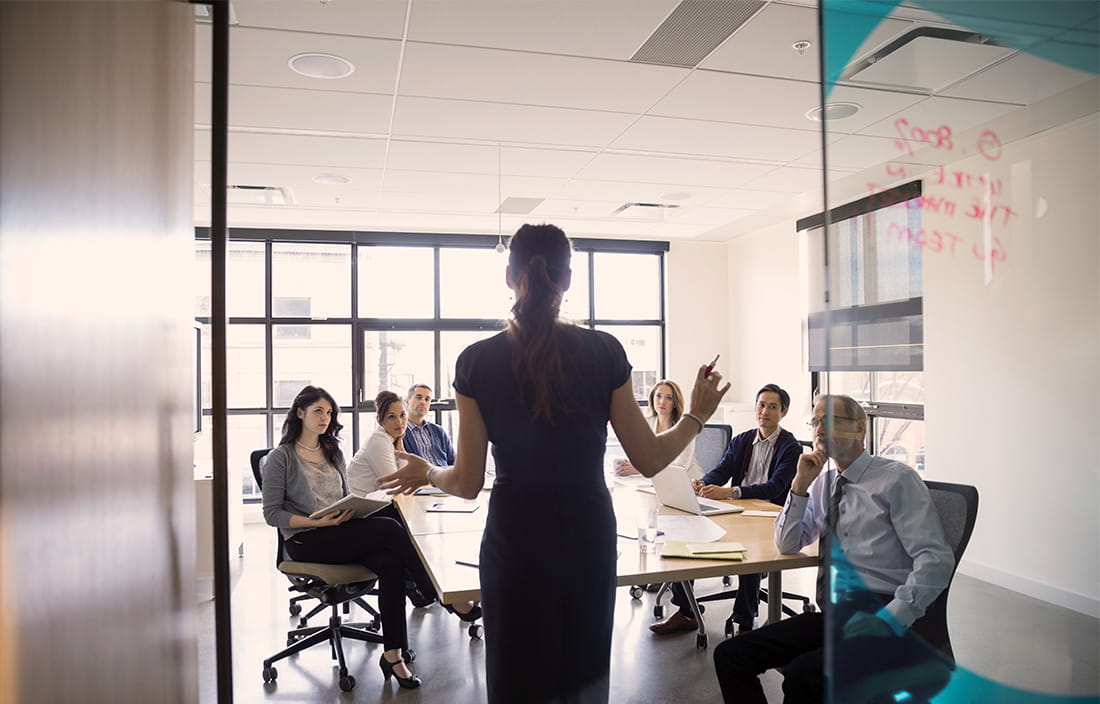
x: 893, y: 562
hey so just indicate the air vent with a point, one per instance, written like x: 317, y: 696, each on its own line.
x: 518, y: 206
x: 258, y: 195
x: 926, y: 60
x: 643, y: 211
x: 693, y: 30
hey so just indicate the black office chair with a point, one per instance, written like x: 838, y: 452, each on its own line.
x: 333, y: 586
x: 295, y: 605
x: 957, y: 506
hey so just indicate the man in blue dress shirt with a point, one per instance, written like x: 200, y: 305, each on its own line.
x: 423, y: 437
x: 893, y: 563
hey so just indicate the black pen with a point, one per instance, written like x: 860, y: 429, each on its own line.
x: 467, y: 564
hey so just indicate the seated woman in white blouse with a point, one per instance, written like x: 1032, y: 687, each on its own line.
x: 666, y: 405
x: 376, y: 459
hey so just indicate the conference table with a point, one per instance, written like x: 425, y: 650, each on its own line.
x: 449, y: 543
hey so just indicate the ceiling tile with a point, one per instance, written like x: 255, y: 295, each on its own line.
x: 533, y: 79
x: 377, y: 18
x: 654, y: 169
x: 764, y: 45
x: 746, y: 199
x: 306, y: 150
x: 933, y: 114
x: 1022, y: 78
x: 611, y: 29
x: 673, y: 135
x: 853, y: 152
x: 259, y: 57
x: 285, y: 108
x: 430, y: 117
x: 751, y: 100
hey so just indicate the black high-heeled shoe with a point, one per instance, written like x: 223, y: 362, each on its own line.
x: 387, y: 669
x: 469, y: 617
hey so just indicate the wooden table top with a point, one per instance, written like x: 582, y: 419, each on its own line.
x: 446, y: 540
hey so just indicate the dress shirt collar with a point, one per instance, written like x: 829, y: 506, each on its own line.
x: 857, y: 468
x: 770, y: 440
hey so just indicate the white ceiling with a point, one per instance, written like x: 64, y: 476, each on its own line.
x: 445, y: 90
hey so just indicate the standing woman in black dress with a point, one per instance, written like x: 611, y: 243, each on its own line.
x: 542, y: 392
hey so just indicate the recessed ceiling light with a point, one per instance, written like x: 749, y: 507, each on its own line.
x: 833, y: 111
x: 331, y: 179
x: 327, y: 66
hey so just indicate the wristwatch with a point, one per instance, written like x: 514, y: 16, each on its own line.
x: 736, y: 493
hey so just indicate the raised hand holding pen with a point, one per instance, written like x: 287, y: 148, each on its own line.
x: 706, y: 394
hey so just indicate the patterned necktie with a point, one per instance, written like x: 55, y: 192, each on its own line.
x: 826, y: 544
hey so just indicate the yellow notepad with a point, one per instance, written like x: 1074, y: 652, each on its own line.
x: 677, y: 548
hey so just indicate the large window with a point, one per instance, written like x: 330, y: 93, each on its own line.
x: 357, y: 313
x: 865, y: 321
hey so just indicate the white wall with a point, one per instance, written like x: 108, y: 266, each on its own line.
x: 697, y: 310
x: 1012, y: 377
x: 1012, y: 380
x: 765, y: 335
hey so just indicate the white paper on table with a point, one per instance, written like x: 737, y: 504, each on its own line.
x: 761, y: 514
x: 690, y: 529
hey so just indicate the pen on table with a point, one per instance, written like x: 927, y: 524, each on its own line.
x: 710, y: 367
x: 467, y: 564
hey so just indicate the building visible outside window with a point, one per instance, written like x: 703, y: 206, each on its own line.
x: 357, y: 318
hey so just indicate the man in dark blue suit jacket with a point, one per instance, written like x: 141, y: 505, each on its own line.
x: 758, y: 464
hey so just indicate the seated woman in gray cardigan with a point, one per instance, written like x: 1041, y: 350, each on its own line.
x: 306, y: 472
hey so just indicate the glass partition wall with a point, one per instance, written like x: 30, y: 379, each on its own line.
x: 368, y: 314
x: 953, y: 292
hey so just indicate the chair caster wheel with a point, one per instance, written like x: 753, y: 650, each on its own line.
x: 408, y: 656
x: 295, y: 609
x: 701, y: 641
x: 635, y: 592
x: 726, y: 581
x: 729, y: 628
x: 347, y: 683
x: 270, y: 674
x: 658, y: 611
x: 477, y: 631
x: 809, y: 608
x: 702, y: 608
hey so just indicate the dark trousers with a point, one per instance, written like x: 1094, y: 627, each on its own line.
x: 380, y: 543
x: 797, y: 645
x: 745, y: 604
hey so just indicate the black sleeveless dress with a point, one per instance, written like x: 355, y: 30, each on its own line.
x: 549, y: 549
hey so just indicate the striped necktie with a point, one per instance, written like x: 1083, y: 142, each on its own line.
x: 827, y: 538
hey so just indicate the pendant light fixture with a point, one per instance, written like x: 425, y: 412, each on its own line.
x: 500, y: 232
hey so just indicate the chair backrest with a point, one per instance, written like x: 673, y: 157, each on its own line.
x: 957, y: 505
x: 711, y: 444
x: 255, y: 458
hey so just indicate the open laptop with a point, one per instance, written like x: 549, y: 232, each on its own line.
x: 673, y: 488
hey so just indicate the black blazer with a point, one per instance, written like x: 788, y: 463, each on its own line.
x: 735, y: 464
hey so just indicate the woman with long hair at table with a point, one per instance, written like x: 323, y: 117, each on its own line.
x: 542, y: 393
x: 306, y: 473
x: 666, y: 405
x: 376, y: 459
